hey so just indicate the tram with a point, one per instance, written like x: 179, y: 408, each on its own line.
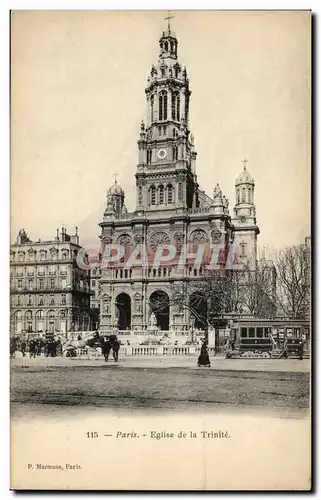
x: 266, y: 337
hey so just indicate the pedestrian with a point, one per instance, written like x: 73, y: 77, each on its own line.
x: 23, y: 347
x: 300, y: 349
x: 32, y: 348
x: 203, y: 359
x: 106, y: 347
x: 116, y: 346
x: 13, y: 347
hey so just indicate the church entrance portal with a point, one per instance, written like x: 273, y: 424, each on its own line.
x: 123, y: 311
x: 159, y: 305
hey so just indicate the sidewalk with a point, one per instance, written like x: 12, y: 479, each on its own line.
x: 171, y: 362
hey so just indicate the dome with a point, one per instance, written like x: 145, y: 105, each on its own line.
x: 244, y: 178
x: 116, y: 190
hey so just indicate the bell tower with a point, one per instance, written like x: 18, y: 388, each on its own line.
x: 244, y: 221
x: 165, y: 176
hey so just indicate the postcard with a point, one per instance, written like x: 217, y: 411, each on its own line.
x: 160, y: 253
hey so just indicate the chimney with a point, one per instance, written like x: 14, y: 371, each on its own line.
x: 57, y: 237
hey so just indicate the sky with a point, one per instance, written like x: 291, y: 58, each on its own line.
x: 77, y: 100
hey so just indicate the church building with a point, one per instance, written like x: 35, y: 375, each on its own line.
x: 171, y: 207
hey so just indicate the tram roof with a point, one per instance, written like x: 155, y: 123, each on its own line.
x: 272, y: 322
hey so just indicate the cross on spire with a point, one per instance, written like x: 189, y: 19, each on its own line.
x: 168, y: 19
x: 245, y: 161
x: 115, y: 174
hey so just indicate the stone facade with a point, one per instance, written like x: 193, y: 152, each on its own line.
x: 170, y: 206
x: 48, y: 291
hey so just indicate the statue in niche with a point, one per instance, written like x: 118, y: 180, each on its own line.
x: 152, y: 323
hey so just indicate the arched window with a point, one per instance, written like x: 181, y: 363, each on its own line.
x: 180, y: 191
x: 174, y: 132
x: 170, y: 194
x: 140, y: 195
x: 243, y: 195
x: 175, y: 153
x: 176, y: 68
x: 149, y: 156
x: 162, y: 106
x: 152, y: 108
x: 166, y: 46
x: 243, y: 249
x: 175, y: 105
x: 161, y: 194
x: 43, y: 255
x: 152, y: 195
x: 238, y: 196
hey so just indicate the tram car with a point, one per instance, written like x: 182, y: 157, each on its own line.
x: 266, y: 338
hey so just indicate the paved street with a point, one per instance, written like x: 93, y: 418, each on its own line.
x: 161, y: 383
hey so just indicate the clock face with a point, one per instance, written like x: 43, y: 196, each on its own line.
x: 162, y: 153
x: 242, y: 219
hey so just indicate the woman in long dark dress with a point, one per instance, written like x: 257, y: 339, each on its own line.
x: 203, y: 359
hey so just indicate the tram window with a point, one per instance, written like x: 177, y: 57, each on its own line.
x: 243, y: 332
x: 259, y: 332
x: 267, y: 332
x: 289, y: 332
x: 251, y: 332
x: 297, y: 332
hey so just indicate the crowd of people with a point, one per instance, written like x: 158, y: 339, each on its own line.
x: 35, y: 346
x: 51, y: 345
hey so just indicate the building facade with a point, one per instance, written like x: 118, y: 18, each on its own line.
x: 95, y: 272
x: 48, y: 291
x: 170, y: 207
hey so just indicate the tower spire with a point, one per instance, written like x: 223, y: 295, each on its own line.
x: 245, y: 161
x: 168, y: 19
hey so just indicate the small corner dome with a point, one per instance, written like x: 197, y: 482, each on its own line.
x: 115, y: 189
x: 244, y: 178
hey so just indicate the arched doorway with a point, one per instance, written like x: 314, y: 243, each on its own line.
x: 51, y: 321
x: 123, y: 311
x: 159, y: 305
x: 18, y: 326
x: 62, y: 321
x: 39, y: 321
x: 28, y: 321
x: 198, y: 308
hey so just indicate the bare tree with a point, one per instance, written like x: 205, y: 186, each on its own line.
x: 293, y: 281
x: 259, y: 288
